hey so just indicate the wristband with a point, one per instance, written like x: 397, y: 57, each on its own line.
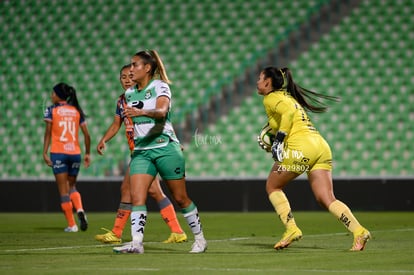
x: 280, y: 136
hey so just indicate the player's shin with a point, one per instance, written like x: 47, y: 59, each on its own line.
x: 190, y: 213
x: 282, y: 208
x: 344, y: 214
x: 138, y: 221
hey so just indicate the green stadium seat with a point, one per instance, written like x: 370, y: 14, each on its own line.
x: 365, y: 59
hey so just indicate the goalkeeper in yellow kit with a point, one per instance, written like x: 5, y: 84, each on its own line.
x: 297, y: 148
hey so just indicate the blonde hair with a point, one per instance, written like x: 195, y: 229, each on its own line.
x: 157, y: 66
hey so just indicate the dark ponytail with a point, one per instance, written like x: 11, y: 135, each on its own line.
x: 68, y: 93
x: 282, y: 79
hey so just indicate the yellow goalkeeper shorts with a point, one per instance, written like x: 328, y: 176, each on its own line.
x: 304, y: 153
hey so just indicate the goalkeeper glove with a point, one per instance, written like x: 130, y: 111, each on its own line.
x: 277, y: 147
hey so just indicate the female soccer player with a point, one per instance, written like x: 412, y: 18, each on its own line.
x: 298, y: 147
x: 156, y: 149
x: 63, y: 120
x: 166, y: 208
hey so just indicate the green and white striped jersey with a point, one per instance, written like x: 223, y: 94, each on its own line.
x: 150, y: 133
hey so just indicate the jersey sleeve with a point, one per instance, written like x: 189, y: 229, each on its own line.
x: 82, y: 120
x: 47, y: 115
x: 163, y: 89
x: 120, y: 104
x: 119, y: 107
x: 286, y: 113
x: 280, y: 113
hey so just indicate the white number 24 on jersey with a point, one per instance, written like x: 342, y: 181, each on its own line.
x: 68, y: 127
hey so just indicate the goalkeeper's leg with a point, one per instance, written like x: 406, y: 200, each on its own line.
x: 276, y: 181
x: 322, y: 187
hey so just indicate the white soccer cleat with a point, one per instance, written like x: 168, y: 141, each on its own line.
x: 71, y: 228
x: 137, y: 248
x: 199, y: 246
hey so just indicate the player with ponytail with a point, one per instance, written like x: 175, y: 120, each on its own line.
x: 156, y: 149
x: 167, y: 210
x: 63, y: 120
x: 297, y: 148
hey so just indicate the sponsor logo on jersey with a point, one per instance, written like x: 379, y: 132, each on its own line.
x: 67, y: 111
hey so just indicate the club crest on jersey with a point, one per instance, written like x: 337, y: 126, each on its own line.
x: 148, y: 94
x: 160, y: 140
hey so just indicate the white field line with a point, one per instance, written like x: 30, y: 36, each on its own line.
x: 250, y: 270
x: 221, y: 240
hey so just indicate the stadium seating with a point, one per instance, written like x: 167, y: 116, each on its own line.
x: 357, y: 61
x: 365, y: 60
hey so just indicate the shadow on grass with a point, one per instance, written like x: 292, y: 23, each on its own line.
x: 50, y: 229
x: 294, y: 246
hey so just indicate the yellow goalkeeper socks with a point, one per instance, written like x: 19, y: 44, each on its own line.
x: 282, y: 207
x: 344, y: 214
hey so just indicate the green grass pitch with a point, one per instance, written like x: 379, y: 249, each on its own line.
x: 238, y: 243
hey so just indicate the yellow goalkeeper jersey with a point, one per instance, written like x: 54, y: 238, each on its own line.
x: 305, y: 149
x: 285, y: 114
